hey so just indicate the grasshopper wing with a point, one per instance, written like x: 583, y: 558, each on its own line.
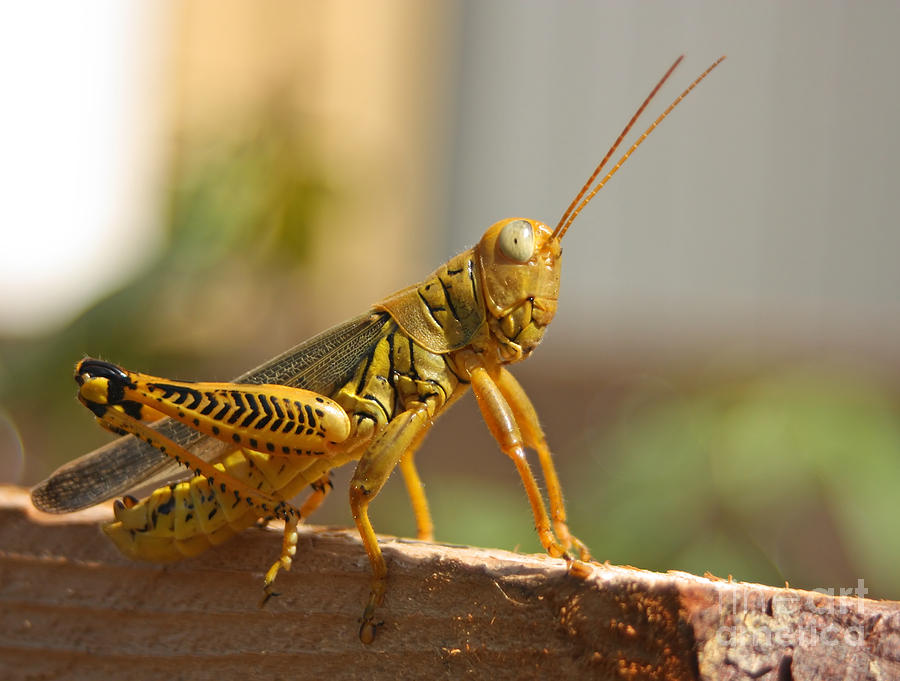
x: 321, y: 364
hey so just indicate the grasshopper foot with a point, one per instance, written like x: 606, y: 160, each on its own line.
x: 288, y: 551
x: 579, y: 569
x: 568, y: 540
x: 266, y: 596
x: 368, y: 626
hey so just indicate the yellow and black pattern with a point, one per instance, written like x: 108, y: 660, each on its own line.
x: 321, y: 364
x: 269, y: 427
x: 263, y: 418
x: 252, y: 416
x: 396, y: 373
x: 444, y: 312
x: 223, y: 498
x: 451, y: 296
x: 186, y: 518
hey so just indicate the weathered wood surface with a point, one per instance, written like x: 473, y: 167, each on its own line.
x: 73, y: 608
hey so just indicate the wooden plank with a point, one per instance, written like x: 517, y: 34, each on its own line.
x: 73, y: 608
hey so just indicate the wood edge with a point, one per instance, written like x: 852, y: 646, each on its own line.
x: 448, y: 608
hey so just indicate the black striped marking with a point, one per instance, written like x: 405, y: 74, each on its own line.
x: 449, y: 299
x: 471, y: 268
x: 238, y: 398
x: 432, y: 310
x: 181, y: 392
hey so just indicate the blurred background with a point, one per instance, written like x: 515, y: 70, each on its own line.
x: 191, y: 188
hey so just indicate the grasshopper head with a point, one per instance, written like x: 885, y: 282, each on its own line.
x: 519, y: 263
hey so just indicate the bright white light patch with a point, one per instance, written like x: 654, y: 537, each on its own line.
x: 79, y: 126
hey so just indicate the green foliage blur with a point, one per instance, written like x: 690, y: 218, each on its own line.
x: 786, y: 476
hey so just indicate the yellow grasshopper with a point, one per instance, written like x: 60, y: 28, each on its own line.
x: 367, y: 390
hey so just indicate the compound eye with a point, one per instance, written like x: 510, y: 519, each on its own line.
x: 517, y: 240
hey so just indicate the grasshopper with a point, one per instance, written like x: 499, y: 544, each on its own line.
x: 367, y: 390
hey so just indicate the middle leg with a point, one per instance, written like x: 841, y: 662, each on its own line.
x: 373, y: 470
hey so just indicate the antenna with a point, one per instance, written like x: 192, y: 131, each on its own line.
x: 571, y: 213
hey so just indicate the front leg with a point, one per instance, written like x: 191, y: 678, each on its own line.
x: 527, y: 418
x: 373, y: 470
x: 501, y: 421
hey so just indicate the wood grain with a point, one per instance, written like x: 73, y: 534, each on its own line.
x: 73, y: 608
